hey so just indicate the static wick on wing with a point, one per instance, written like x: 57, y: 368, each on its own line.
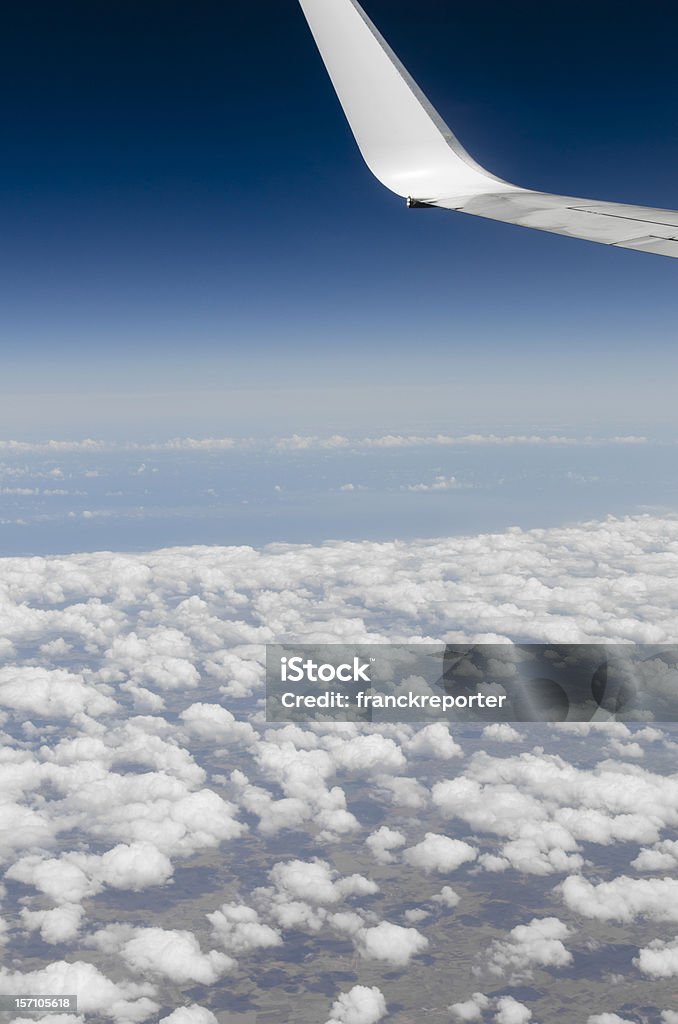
x: 410, y: 149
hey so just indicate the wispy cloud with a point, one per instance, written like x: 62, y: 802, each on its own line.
x: 300, y: 443
x: 440, y: 483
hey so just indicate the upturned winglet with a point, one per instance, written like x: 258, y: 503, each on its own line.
x: 410, y: 149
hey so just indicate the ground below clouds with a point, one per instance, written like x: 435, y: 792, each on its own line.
x: 168, y: 855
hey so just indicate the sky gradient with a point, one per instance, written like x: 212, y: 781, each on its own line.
x: 186, y: 214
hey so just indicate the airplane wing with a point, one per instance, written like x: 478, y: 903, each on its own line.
x: 411, y: 150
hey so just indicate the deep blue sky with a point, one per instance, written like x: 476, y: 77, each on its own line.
x: 183, y: 207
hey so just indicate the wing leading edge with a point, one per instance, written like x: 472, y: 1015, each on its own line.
x: 410, y: 149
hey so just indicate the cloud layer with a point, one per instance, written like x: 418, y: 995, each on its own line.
x: 163, y: 841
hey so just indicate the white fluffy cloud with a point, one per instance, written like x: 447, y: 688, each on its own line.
x: 134, y: 866
x: 542, y: 807
x: 136, y: 753
x: 51, y: 693
x: 623, y: 899
x: 502, y: 732
x: 163, y: 659
x: 447, y: 897
x: 53, y: 1018
x: 662, y: 856
x: 608, y: 1018
x: 74, y: 876
x: 434, y: 741
x: 97, y: 994
x: 214, y: 722
x: 316, y: 882
x: 439, y: 853
x: 507, y: 1010
x: 471, y: 1009
x: 510, y: 1011
x: 403, y: 791
x: 580, y: 592
x: 192, y: 1014
x: 391, y: 943
x: 59, y: 879
x: 307, y: 894
x: 59, y: 925
x: 382, y: 842
x: 360, y: 1005
x: 537, y: 944
x: 239, y: 929
x: 172, y: 953
x: 659, y: 959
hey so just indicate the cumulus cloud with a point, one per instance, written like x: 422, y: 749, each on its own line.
x: 60, y: 879
x: 391, y: 942
x: 318, y: 883
x: 53, y: 1018
x: 447, y: 897
x: 434, y: 741
x: 51, y: 693
x: 502, y: 732
x: 133, y: 866
x: 662, y: 856
x: 172, y: 953
x: 274, y: 815
x: 659, y: 959
x: 141, y: 755
x: 306, y: 895
x: 633, y: 750
x: 471, y: 1009
x: 304, y: 774
x: 192, y: 1014
x: 214, y: 722
x: 403, y: 791
x: 97, y: 994
x: 382, y: 842
x: 537, y: 944
x: 439, y: 853
x: 74, y: 876
x: 416, y: 914
x: 157, y: 808
x: 576, y: 567
x: 608, y: 1018
x: 61, y: 924
x: 623, y: 899
x: 360, y: 1005
x: 541, y: 807
x: 361, y: 753
x: 239, y: 929
x: 510, y: 1011
x: 163, y: 659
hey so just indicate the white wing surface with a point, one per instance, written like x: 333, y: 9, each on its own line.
x: 411, y: 150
